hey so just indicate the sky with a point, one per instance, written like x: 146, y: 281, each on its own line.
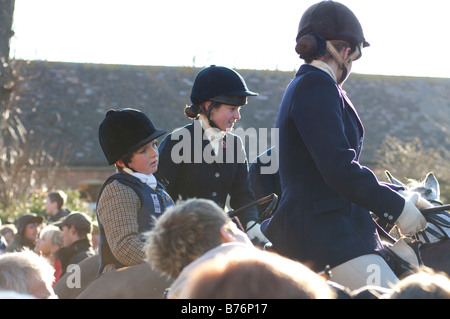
x: 407, y: 37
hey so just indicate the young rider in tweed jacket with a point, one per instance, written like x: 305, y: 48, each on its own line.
x: 129, y: 199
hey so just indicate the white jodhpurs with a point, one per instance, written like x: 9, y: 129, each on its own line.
x: 367, y: 270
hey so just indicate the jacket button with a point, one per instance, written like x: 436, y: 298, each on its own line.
x: 214, y: 194
x: 217, y: 175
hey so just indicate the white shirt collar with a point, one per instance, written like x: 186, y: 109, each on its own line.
x: 149, y: 179
x: 324, y: 67
x: 214, y: 135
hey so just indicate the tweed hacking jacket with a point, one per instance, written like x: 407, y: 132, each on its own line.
x: 118, y: 212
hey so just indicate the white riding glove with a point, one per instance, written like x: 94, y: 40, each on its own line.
x: 255, y: 231
x: 421, y: 202
x: 411, y: 220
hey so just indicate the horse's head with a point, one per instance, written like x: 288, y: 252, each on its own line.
x: 438, y: 222
x: 428, y: 188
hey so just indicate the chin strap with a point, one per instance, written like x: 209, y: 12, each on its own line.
x: 355, y: 55
x: 208, y: 114
x: 340, y: 61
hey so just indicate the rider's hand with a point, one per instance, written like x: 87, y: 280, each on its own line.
x: 255, y: 231
x: 421, y: 203
x: 411, y: 220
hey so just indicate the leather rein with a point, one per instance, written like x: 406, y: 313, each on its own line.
x: 272, y: 197
x: 432, y: 216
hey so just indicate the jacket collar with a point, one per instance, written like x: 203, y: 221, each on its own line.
x: 304, y: 68
x: 80, y: 245
x: 324, y: 67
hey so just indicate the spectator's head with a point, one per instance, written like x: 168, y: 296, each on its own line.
x: 254, y: 274
x: 186, y: 231
x: 49, y: 241
x: 27, y: 273
x: 425, y: 284
x: 54, y: 202
x: 75, y: 226
x: 28, y: 226
x: 8, y: 231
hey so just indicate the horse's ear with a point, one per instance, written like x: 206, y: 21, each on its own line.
x: 431, y: 182
x: 393, y: 180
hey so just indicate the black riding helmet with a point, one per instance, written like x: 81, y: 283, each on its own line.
x: 332, y: 21
x: 124, y: 131
x: 329, y: 20
x: 220, y: 84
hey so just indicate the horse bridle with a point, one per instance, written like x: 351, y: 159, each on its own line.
x: 431, y: 215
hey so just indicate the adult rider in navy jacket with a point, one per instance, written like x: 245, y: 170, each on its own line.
x: 324, y: 215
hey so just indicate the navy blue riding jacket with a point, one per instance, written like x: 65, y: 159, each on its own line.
x: 262, y: 183
x: 191, y: 172
x: 324, y: 216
